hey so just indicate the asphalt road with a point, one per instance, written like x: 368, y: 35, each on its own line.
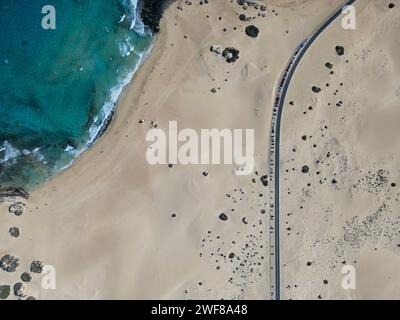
x: 274, y: 156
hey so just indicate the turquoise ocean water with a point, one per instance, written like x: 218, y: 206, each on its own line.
x: 58, y: 87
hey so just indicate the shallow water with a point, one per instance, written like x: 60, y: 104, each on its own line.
x: 58, y: 87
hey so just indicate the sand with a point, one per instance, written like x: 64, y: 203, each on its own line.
x: 345, y: 210
x: 115, y: 227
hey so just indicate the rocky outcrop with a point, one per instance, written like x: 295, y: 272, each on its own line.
x: 151, y: 12
x: 13, y: 193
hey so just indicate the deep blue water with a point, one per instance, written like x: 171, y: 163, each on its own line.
x: 57, y: 87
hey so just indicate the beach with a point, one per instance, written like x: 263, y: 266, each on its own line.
x: 115, y: 227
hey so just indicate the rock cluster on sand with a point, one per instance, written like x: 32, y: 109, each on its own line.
x: 19, y: 289
x: 339, y: 50
x: 230, y: 54
x: 16, y: 208
x: 9, y: 263
x: 264, y: 180
x: 14, y: 232
x: 36, y: 266
x: 216, y: 49
x: 329, y: 65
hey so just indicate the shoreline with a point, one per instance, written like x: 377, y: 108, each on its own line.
x: 135, y: 84
x: 149, y: 13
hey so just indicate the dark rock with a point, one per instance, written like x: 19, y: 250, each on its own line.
x: 223, y: 217
x: 252, y: 31
x: 26, y: 277
x: 13, y: 192
x: 16, y: 208
x: 36, y: 266
x: 216, y: 50
x: 339, y: 50
x: 230, y: 54
x: 14, y: 232
x: 316, y: 89
x: 305, y: 169
x: 9, y: 263
x: 231, y: 255
x: 242, y: 17
x: 151, y: 12
x: 329, y: 65
x: 264, y: 180
x: 19, y: 289
x: 4, y: 291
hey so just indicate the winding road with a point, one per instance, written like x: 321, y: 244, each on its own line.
x: 274, y: 151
